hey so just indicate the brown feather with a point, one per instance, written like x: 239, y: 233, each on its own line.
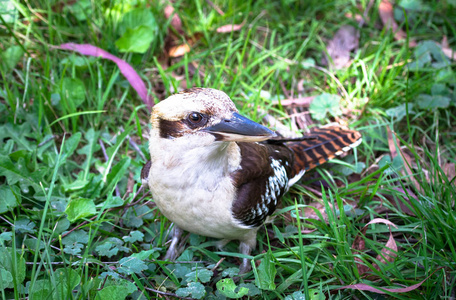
x: 330, y: 142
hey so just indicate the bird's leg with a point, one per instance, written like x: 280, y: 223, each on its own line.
x: 172, y: 252
x: 222, y: 243
x: 244, y: 248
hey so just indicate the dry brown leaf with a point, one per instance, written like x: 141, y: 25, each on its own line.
x: 385, y: 10
x: 303, y: 101
x: 230, y: 28
x: 388, y: 253
x: 365, y: 287
x: 360, y: 266
x: 450, y: 171
x: 399, y: 203
x: 176, y: 22
x: 406, y: 192
x: 180, y: 50
x: 408, y: 170
x: 309, y: 211
x: 381, y: 220
x: 392, y: 142
x: 450, y: 53
x: 337, y: 54
x: 359, y: 244
x: 130, y: 183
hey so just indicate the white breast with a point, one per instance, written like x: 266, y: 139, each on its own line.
x: 192, y: 186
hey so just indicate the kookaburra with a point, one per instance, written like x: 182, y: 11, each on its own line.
x: 216, y: 173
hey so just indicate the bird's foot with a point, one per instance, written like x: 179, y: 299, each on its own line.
x: 245, y: 266
x: 173, y: 252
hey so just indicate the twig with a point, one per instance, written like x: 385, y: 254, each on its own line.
x: 11, y: 224
x: 44, y: 142
x: 136, y: 195
x: 165, y: 293
x: 218, y: 264
x: 73, y: 229
x: 187, y: 262
x: 135, y: 146
x: 284, y: 90
x: 313, y: 191
x: 103, y: 149
x: 365, y: 13
x: 215, y: 7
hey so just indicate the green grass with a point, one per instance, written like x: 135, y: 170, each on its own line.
x: 73, y: 140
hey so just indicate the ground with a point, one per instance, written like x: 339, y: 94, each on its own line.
x: 378, y: 223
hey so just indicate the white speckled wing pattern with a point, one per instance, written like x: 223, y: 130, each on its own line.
x: 261, y: 181
x: 274, y: 187
x: 276, y: 183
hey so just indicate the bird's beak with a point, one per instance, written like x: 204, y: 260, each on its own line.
x: 240, y: 129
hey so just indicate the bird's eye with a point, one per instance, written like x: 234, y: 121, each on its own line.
x: 195, y: 117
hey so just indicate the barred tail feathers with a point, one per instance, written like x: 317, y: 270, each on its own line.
x: 330, y: 142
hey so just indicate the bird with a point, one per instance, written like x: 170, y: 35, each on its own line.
x: 216, y: 173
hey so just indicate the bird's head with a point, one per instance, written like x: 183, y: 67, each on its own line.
x: 206, y: 113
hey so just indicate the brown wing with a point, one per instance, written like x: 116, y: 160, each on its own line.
x: 261, y: 181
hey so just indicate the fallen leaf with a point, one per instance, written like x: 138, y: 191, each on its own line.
x: 385, y: 10
x: 381, y: 220
x: 392, y: 143
x: 180, y: 50
x: 302, y: 101
x: 406, y: 192
x: 230, y: 28
x: 176, y: 22
x: 450, y: 53
x: 407, y: 171
x: 359, y: 245
x: 337, y: 54
x: 450, y: 171
x: 381, y: 290
x: 130, y: 74
x: 310, y: 211
x: 389, y: 252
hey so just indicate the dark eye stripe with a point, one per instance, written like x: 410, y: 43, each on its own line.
x: 171, y: 129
